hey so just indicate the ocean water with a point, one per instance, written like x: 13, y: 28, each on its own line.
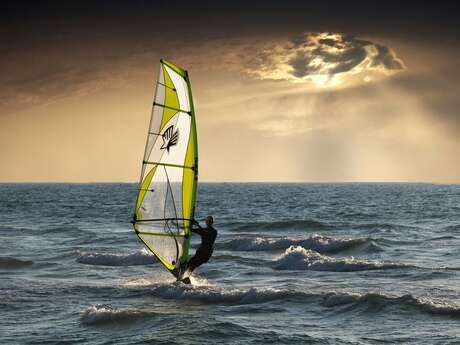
x: 294, y: 264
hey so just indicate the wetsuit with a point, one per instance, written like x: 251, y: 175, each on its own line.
x: 204, y: 252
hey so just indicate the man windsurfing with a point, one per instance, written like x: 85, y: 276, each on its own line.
x: 203, y: 253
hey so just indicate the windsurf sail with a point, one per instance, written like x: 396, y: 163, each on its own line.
x: 166, y: 196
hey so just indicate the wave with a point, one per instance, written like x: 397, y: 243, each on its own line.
x: 455, y: 228
x: 299, y: 258
x: 378, y: 300
x: 13, y: 263
x: 105, y: 313
x: 307, y: 224
x: 383, y: 227
x: 66, y: 229
x: 141, y: 257
x: 205, y: 293
x: 13, y: 229
x: 162, y: 285
x: 321, y: 244
x: 443, y: 238
x: 216, y: 295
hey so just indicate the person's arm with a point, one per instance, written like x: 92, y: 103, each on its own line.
x: 198, y: 229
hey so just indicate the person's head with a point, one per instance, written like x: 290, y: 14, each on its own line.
x: 209, y: 220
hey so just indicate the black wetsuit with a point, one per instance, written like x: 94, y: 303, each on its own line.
x: 204, y: 252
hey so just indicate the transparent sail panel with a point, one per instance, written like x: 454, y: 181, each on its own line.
x: 167, y: 248
x: 163, y: 197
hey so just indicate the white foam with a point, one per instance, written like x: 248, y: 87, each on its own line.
x: 199, y: 281
x: 325, y: 244
x: 213, y: 294
x: 161, y: 277
x: 319, y: 243
x: 442, y: 307
x: 299, y: 258
x: 158, y: 277
x: 141, y: 257
x: 217, y: 295
x: 104, y: 313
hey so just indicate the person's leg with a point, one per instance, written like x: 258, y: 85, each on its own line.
x: 194, y: 262
x: 178, y: 272
x: 198, y: 259
x: 187, y: 269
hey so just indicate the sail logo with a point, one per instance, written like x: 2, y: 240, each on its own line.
x: 170, y: 138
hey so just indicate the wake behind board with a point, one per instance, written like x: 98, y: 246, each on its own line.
x: 166, y: 196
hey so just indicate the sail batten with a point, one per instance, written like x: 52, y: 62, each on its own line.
x: 171, y: 108
x: 164, y: 209
x: 170, y: 165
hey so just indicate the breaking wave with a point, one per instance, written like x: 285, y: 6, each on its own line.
x: 104, y: 313
x: 299, y: 258
x: 321, y: 244
x: 141, y: 257
x: 370, y: 301
x: 215, y: 295
x: 13, y: 263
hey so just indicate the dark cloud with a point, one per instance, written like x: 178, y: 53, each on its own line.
x: 386, y: 59
x: 326, y: 55
x: 347, y: 58
x: 301, y: 65
x: 56, y: 41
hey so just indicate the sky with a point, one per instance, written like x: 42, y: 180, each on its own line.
x: 285, y: 91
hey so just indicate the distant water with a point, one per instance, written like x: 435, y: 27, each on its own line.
x: 294, y: 264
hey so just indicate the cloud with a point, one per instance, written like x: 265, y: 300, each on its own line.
x: 60, y: 77
x: 70, y: 71
x: 49, y: 86
x: 326, y: 59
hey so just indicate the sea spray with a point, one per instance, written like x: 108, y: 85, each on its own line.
x: 318, y: 243
x: 105, y: 313
x: 299, y: 258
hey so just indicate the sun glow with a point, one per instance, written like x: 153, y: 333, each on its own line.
x: 325, y: 60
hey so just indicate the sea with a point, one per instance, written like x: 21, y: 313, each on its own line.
x: 350, y: 263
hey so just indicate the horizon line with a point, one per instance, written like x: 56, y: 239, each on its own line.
x: 240, y: 182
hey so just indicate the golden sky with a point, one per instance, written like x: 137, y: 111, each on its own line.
x: 308, y: 103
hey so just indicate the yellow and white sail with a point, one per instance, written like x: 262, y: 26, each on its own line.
x: 166, y: 197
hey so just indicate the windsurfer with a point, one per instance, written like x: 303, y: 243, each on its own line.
x: 204, y: 252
